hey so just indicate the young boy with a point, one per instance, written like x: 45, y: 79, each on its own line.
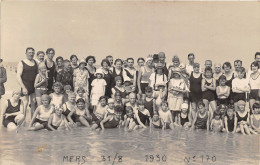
x: 202, y: 118
x: 165, y: 116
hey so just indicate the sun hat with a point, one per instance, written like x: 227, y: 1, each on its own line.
x: 99, y: 71
x: 82, y: 61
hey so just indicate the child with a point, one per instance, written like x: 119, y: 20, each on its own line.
x: 57, y: 120
x: 119, y: 87
x: 184, y: 117
x: 41, y: 83
x: 159, y: 95
x: 223, y: 91
x: 98, y: 87
x: 230, y: 120
x: 142, y: 115
x: 41, y: 115
x: 120, y: 104
x: 255, y: 119
x: 243, y: 117
x: 110, y: 108
x: 208, y: 87
x: 177, y: 87
x: 111, y: 121
x: 81, y: 114
x: 129, y: 119
x: 216, y: 123
x: 149, y: 101
x: 67, y: 90
x: 202, y: 118
x: 81, y: 76
x: 132, y: 101
x: 165, y: 116
x: 129, y: 88
x: 99, y: 112
x: 69, y: 105
x: 81, y: 93
x: 57, y: 96
x: 222, y: 109
x: 158, y: 77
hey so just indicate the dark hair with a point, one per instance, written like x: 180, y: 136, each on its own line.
x: 109, y: 56
x: 80, y: 100
x: 241, y: 69
x: 102, y: 97
x: 117, y: 61
x: 140, y: 102
x: 237, y: 61
x: 208, y: 69
x: 89, y: 57
x: 256, y: 105
x: 129, y: 107
x: 106, y: 61
x: 201, y: 103
x: 130, y: 58
x: 58, y: 58
x: 81, y: 89
x: 164, y: 102
x: 73, y: 56
x: 216, y: 113
x: 50, y: 49
x: 140, y: 59
x: 29, y: 48
x: 228, y: 64
x: 257, y: 54
x: 148, y: 89
x: 40, y: 52
x: 255, y: 63
x: 222, y: 77
x: 190, y: 54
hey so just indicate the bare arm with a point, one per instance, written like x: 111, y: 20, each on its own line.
x: 194, y: 120
x: 139, y: 80
x: 104, y: 121
x: 19, y: 77
x: 235, y: 124
x: 4, y: 78
x: 70, y: 114
x: 226, y: 124
x: 49, y: 123
x: 139, y: 121
x: 203, y: 85
x: 34, y: 116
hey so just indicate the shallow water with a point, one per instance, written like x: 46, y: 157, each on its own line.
x: 172, y: 147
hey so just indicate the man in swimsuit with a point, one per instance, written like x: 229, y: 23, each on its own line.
x: 3, y: 79
x: 27, y: 70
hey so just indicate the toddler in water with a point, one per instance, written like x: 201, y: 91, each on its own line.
x: 67, y: 90
x: 202, y: 118
x: 216, y: 123
x: 165, y: 116
x: 57, y: 120
x: 41, y: 83
x: 255, y: 119
x: 230, y: 120
x: 142, y: 115
x: 98, y: 87
x: 242, y: 118
x: 99, y: 112
x: 41, y: 115
x: 80, y: 113
x: 184, y: 117
x: 57, y: 96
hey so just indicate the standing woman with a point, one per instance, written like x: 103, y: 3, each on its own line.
x: 144, y: 75
x: 90, y: 60
x: 254, y: 83
x: 140, y: 62
x: 74, y: 61
x: 229, y: 78
x: 117, y: 71
x: 195, y: 88
x: 59, y: 66
x: 51, y: 69
x: 105, y: 65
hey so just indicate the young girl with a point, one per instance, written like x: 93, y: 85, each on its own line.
x: 165, y: 116
x: 69, y: 105
x: 81, y: 114
x: 81, y: 76
x: 120, y: 104
x: 159, y: 95
x: 255, y: 119
x: 177, y: 87
x: 230, y: 120
x: 184, y: 117
x: 67, y: 90
x: 57, y: 120
x: 142, y: 115
x: 81, y: 93
x: 223, y: 91
x: 243, y: 117
x: 118, y: 88
x: 41, y: 83
x: 111, y: 121
x: 41, y: 115
x: 216, y: 123
x: 57, y: 96
x: 129, y: 119
x: 208, y: 86
x: 202, y: 118
x: 98, y: 87
x: 99, y: 112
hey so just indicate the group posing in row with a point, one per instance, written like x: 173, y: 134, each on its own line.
x: 70, y: 93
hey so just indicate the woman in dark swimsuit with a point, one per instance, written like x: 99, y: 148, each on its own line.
x: 229, y: 78
x: 91, y: 70
x: 117, y: 71
x: 51, y: 68
x: 107, y: 76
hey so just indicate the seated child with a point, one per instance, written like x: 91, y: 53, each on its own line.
x: 81, y: 114
x: 81, y: 93
x: 149, y: 101
x: 99, y: 112
x: 57, y: 120
x: 202, y: 118
x: 216, y: 123
x: 57, y: 96
x: 165, y: 116
x: 41, y: 115
x: 119, y: 87
x: 242, y: 118
x: 184, y: 117
x: 69, y: 105
x: 142, y: 115
x: 255, y: 119
x: 67, y: 90
x: 230, y: 120
x: 129, y: 119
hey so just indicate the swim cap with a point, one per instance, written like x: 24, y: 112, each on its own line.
x: 241, y: 102
x: 118, y: 78
x: 110, y: 100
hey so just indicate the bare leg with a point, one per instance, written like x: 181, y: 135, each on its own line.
x: 193, y: 110
x: 242, y: 129
x: 83, y: 121
x: 251, y: 102
x: 36, y: 128
x: 33, y: 103
x: 247, y: 129
x: 38, y: 100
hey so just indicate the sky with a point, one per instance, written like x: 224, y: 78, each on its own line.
x: 220, y: 31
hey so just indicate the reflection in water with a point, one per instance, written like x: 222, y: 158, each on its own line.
x: 83, y: 146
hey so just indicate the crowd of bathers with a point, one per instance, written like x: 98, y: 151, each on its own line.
x: 71, y: 93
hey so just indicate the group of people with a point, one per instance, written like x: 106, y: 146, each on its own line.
x: 69, y: 93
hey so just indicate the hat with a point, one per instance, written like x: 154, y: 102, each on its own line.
x: 99, y: 71
x: 241, y: 102
x: 184, y: 106
x: 110, y: 100
x: 182, y: 66
x: 118, y: 78
x: 149, y: 57
x: 82, y: 61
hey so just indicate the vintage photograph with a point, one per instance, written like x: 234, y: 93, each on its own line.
x: 129, y: 82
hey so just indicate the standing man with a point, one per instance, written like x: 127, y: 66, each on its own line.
x: 51, y: 68
x: 27, y: 70
x: 237, y: 66
x: 162, y: 58
x: 3, y: 79
x: 110, y: 59
x: 129, y: 72
x: 189, y: 67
